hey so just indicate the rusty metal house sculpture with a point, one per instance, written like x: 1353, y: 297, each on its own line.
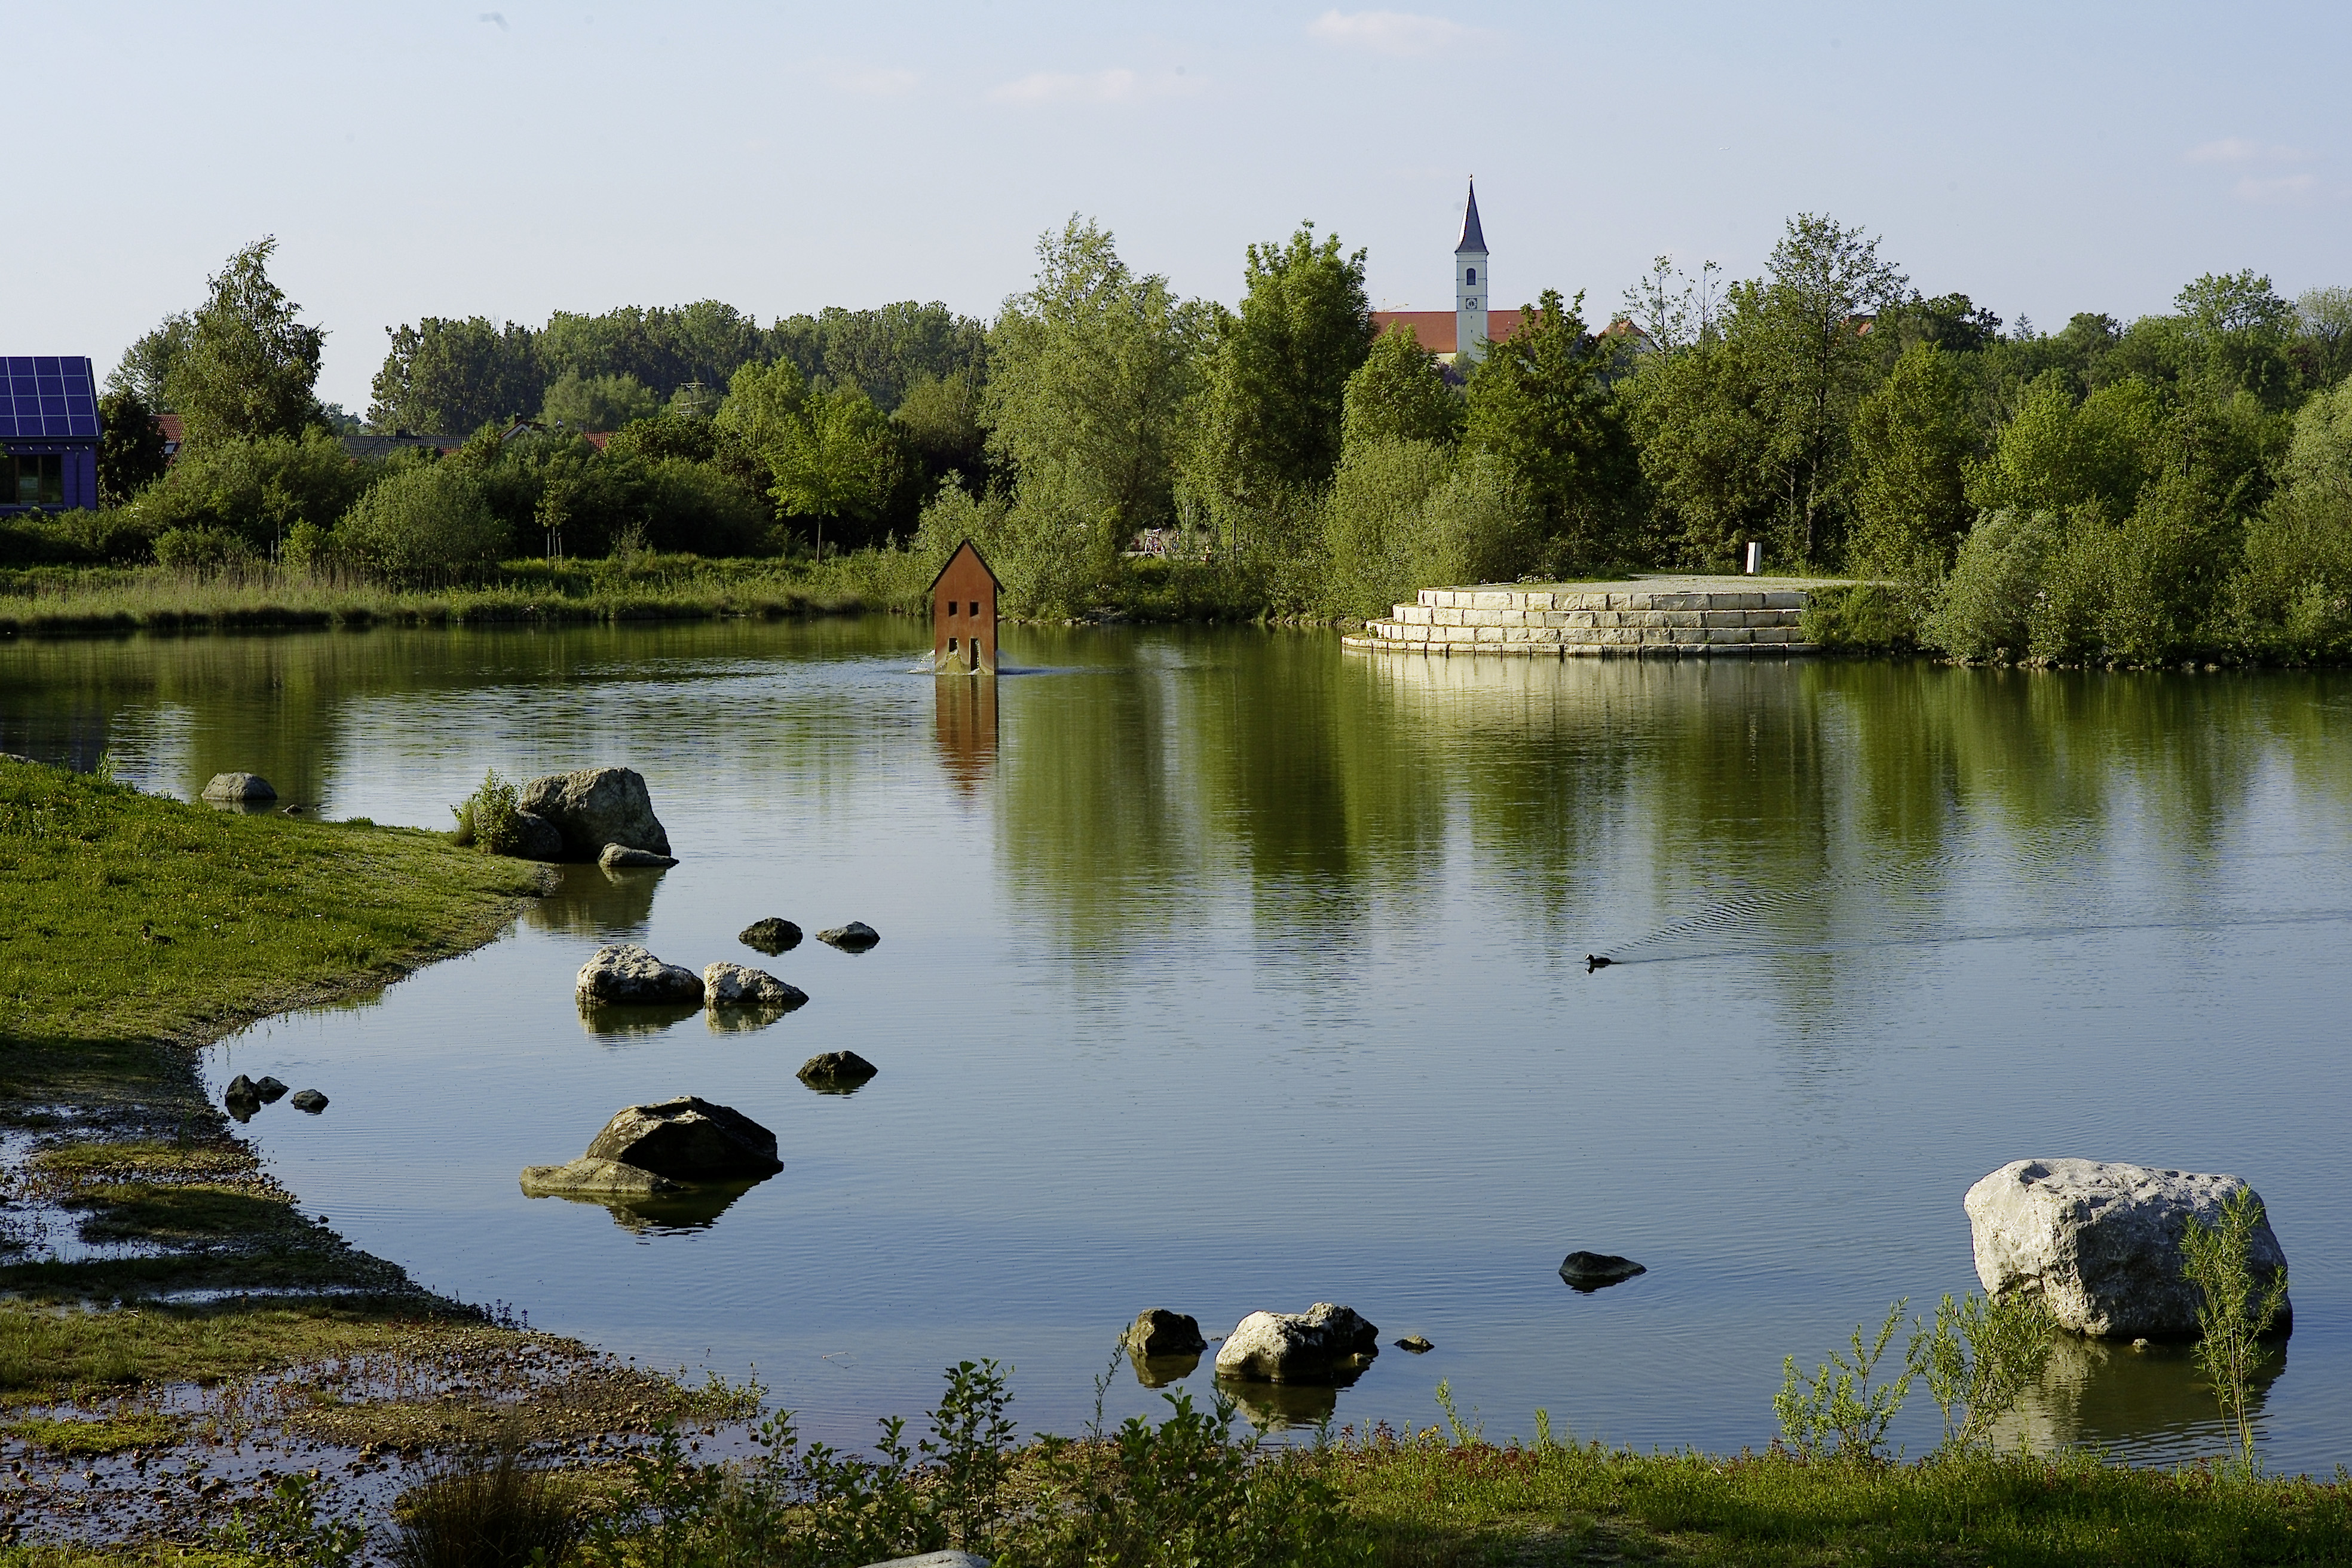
x: 963, y: 614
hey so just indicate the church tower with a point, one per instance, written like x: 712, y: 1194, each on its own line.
x: 1471, y: 293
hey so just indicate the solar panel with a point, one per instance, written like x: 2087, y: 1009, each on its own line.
x: 48, y: 398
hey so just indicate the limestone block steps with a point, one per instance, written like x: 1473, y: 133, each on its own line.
x: 1642, y: 619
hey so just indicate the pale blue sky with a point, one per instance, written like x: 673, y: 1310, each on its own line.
x: 507, y: 157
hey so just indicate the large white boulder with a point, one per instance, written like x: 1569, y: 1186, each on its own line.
x: 628, y: 975
x: 1325, y: 1343
x: 593, y: 807
x: 2100, y: 1243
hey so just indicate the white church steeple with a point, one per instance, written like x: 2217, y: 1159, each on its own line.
x: 1471, y: 290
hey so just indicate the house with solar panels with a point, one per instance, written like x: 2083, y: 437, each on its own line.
x: 49, y: 434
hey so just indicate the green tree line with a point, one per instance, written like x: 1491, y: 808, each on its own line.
x: 2179, y: 485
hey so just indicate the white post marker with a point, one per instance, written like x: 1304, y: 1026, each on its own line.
x: 1755, y: 556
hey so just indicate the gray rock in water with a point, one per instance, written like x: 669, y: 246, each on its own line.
x: 593, y: 1178
x: 309, y: 1100
x: 270, y: 1090
x: 1416, y: 1344
x: 2100, y: 1243
x: 239, y: 786
x: 1158, y: 1331
x: 688, y: 1139
x: 621, y: 857
x: 628, y: 975
x: 595, y: 806
x: 771, y: 936
x: 737, y: 985
x: 1322, y: 1344
x: 1589, y: 1271
x: 935, y: 1560
x: 837, y: 1070
x: 242, y: 1090
x: 855, y: 937
x: 536, y: 838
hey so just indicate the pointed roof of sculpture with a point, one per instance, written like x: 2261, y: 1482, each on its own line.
x: 1472, y: 239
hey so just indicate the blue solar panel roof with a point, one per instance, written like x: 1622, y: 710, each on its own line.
x: 46, y: 397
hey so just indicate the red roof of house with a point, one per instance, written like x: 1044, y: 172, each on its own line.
x: 1434, y: 329
x: 168, y: 424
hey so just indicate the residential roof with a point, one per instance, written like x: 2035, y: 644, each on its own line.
x: 1473, y: 237
x: 398, y: 441
x: 1434, y: 329
x: 48, y: 398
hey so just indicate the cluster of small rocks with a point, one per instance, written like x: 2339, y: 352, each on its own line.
x: 244, y: 1096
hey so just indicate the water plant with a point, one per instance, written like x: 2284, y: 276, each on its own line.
x: 493, y: 1510
x: 1977, y: 1358
x: 486, y: 818
x: 1838, y: 1401
x: 2240, y: 1306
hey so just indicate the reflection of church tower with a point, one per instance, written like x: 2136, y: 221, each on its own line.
x: 1470, y: 287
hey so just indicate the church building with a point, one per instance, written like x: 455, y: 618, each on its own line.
x: 1460, y: 336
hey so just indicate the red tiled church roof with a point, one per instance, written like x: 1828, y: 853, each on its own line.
x: 1434, y: 329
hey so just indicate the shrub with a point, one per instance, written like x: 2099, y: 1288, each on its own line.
x: 1988, y: 600
x: 1861, y: 617
x: 486, y: 818
x: 2237, y: 1308
x: 1978, y: 1359
x: 428, y: 524
x: 256, y: 488
x: 496, y: 1514
x: 1373, y: 521
x: 202, y: 549
x: 1839, y: 1401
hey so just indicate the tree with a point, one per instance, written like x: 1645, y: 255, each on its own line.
x: 145, y: 371
x: 2323, y: 347
x: 1913, y: 438
x: 763, y: 403
x: 1705, y: 450
x: 889, y: 350
x: 939, y: 423
x: 1095, y: 369
x: 1538, y: 404
x: 2238, y: 327
x: 1400, y: 393
x: 1805, y: 329
x: 251, y: 362
x: 456, y: 375
x: 598, y: 402
x: 429, y: 524
x: 1277, y: 378
x: 130, y: 446
x: 838, y: 460
x: 2056, y: 455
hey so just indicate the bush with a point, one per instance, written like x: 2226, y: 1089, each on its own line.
x: 1861, y: 617
x: 255, y: 488
x: 424, y: 525
x: 498, y: 1514
x: 202, y: 549
x: 486, y: 818
x: 1406, y: 515
x: 2292, y: 595
x: 1988, y: 602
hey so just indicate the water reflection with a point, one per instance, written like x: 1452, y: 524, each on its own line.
x: 669, y: 1215
x: 608, y: 1023
x: 1160, y: 1370
x: 1282, y: 1406
x: 609, y: 906
x: 747, y: 1019
x: 965, y: 729
x: 2100, y: 1395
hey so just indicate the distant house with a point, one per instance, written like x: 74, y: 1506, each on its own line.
x: 49, y: 434
x: 358, y: 447
x: 963, y: 614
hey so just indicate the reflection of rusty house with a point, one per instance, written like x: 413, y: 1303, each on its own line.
x: 966, y: 731
x: 964, y: 613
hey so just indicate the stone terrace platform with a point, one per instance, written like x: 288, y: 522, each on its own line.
x: 1645, y: 617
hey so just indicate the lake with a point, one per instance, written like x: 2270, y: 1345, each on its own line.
x: 1225, y: 969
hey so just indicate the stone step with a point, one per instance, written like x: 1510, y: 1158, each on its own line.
x: 1582, y: 651
x: 1615, y: 597
x: 1712, y: 619
x: 1395, y: 632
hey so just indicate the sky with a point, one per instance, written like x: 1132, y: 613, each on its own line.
x: 506, y: 158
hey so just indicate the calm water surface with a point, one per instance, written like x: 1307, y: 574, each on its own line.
x: 1225, y: 970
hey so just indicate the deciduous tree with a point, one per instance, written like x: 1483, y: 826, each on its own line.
x: 251, y: 362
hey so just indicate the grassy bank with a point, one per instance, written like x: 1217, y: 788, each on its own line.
x: 143, y: 1249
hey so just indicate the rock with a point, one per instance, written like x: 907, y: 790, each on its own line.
x: 1589, y: 1271
x: 270, y: 1090
x: 239, y: 786
x: 17, y: 757
x: 309, y: 1100
x: 935, y: 1560
x: 595, y: 806
x: 629, y: 974
x: 836, y: 1069
x: 1156, y: 1332
x: 293, y: 811
x: 621, y: 857
x: 2100, y: 1243
x: 1416, y: 1344
x: 588, y: 1177
x: 735, y: 986
x: 241, y: 1089
x: 1321, y: 1344
x: 771, y: 936
x: 688, y: 1139
x: 855, y: 937
x: 536, y: 838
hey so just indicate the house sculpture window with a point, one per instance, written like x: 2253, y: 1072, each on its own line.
x: 975, y: 607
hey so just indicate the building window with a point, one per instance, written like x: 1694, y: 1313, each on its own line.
x: 975, y: 607
x: 1470, y: 275
x: 951, y: 644
x: 35, y: 480
x: 951, y: 606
